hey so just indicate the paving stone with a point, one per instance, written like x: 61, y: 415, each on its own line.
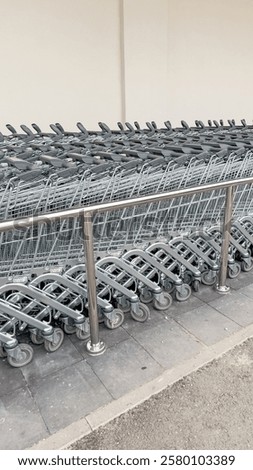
x: 207, y: 324
x: 181, y: 307
x: 110, y: 338
x: 168, y: 343
x: 11, y: 378
x: 124, y: 367
x: 236, y: 306
x: 20, y: 421
x: 248, y: 291
x: 244, y: 279
x: 45, y: 363
x: 68, y: 384
x: 207, y: 293
x: 155, y: 317
x: 68, y: 395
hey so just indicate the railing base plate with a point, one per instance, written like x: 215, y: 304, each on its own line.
x: 222, y: 289
x: 95, y: 349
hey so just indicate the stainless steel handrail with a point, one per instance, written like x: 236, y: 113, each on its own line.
x: 95, y: 346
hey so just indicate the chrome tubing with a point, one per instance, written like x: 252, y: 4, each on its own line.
x: 95, y: 346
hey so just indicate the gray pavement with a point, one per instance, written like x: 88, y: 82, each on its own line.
x: 211, y: 408
x: 58, y: 390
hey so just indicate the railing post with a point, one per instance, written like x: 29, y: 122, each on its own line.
x: 222, y: 288
x: 94, y: 345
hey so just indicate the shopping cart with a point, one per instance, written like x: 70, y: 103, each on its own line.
x: 157, y: 252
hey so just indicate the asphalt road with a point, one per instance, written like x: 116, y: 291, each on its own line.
x: 211, y: 408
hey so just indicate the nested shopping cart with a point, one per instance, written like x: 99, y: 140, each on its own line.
x: 145, y: 256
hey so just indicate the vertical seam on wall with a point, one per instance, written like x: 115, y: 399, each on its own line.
x: 122, y: 60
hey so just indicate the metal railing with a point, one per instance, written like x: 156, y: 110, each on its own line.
x: 94, y: 345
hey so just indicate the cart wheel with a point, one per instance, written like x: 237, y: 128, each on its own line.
x: 36, y: 338
x: 117, y: 322
x: 195, y: 285
x: 123, y: 308
x: 2, y: 352
x: 51, y: 347
x: 188, y: 277
x: 69, y: 329
x: 27, y: 355
x: 83, y: 335
x: 142, y: 315
x: 146, y: 298
x: 235, y: 271
x: 100, y: 317
x: 165, y: 304
x: 168, y: 286
x: 246, y: 267
x: 208, y: 279
x: 184, y: 295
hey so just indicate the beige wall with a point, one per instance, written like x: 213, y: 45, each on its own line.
x: 60, y: 61
x: 91, y: 60
x: 146, y: 59
x: 210, y: 66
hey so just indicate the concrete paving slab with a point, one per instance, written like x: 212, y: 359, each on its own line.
x: 45, y: 363
x: 65, y: 437
x: 248, y: 291
x: 167, y: 343
x: 209, y: 409
x: 236, y: 306
x: 207, y: 293
x: 139, y: 357
x: 130, y: 325
x: 157, y: 317
x: 110, y: 337
x: 58, y: 440
x: 68, y: 394
x: 21, y: 423
x: 11, y: 379
x: 124, y: 366
x: 207, y: 324
x: 181, y: 307
x: 244, y: 279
